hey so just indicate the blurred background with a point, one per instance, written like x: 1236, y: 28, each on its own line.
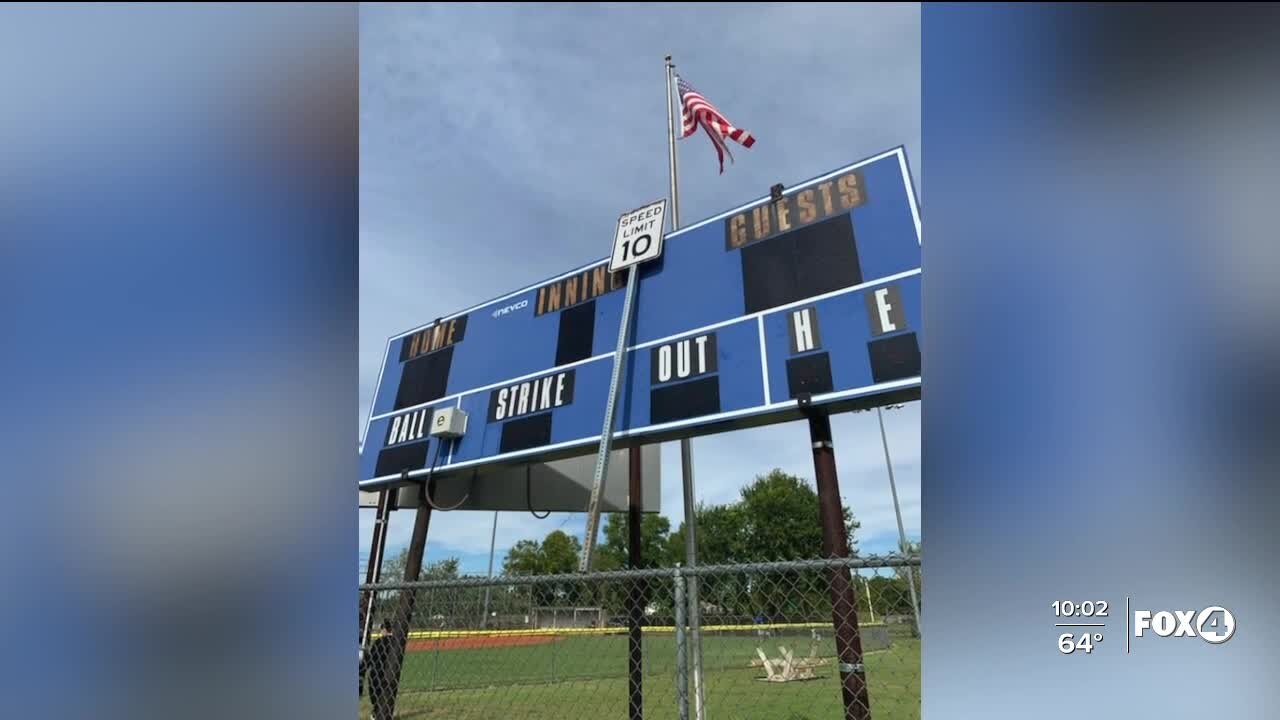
x: 178, y: 238
x: 1100, y: 373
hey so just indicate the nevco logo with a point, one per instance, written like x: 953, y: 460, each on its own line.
x: 511, y: 308
x: 1214, y: 625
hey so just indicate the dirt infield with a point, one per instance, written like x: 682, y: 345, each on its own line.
x: 478, y: 641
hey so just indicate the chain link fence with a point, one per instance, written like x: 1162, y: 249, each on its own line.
x: 796, y: 640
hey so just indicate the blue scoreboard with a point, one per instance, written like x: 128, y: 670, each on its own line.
x: 810, y: 297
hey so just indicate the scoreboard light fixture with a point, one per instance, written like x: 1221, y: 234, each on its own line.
x: 449, y: 424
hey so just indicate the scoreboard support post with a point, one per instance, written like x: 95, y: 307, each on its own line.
x: 412, y: 571
x: 835, y: 544
x: 637, y: 597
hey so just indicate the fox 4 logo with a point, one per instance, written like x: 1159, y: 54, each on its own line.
x: 1215, y: 625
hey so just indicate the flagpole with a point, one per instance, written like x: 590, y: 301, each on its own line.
x: 671, y: 148
x: 686, y: 447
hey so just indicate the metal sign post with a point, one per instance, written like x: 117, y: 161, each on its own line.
x: 638, y: 240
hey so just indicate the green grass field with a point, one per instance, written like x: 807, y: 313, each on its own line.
x: 586, y: 676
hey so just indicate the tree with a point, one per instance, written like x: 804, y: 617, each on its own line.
x: 393, y: 568
x: 721, y: 539
x: 524, y: 558
x: 775, y: 518
x: 912, y: 577
x: 614, y: 552
x: 389, y: 604
x: 890, y: 595
x: 721, y: 536
x: 781, y: 521
x: 446, y: 569
x: 560, y: 552
x: 557, y: 553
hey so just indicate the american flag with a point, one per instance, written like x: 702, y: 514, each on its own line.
x: 696, y: 111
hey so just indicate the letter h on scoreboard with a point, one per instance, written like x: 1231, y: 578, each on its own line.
x: 809, y: 368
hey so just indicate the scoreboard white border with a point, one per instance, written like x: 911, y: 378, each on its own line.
x: 758, y: 316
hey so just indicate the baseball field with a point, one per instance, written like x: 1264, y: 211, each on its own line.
x: 581, y: 675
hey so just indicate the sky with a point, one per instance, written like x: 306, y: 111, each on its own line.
x: 558, y: 111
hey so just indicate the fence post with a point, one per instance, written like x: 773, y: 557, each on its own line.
x: 682, y: 666
x: 435, y: 656
x: 555, y: 643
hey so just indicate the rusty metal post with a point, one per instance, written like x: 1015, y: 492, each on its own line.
x: 835, y: 544
x: 412, y: 571
x: 635, y: 655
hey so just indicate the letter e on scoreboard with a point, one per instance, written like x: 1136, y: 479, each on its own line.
x: 804, y: 330
x: 884, y: 310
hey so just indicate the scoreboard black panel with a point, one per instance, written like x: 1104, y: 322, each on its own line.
x: 809, y: 374
x: 894, y: 358
x: 577, y: 333
x: 393, y: 460
x: 525, y: 433
x: 424, y: 378
x: 800, y: 264
x: 685, y: 400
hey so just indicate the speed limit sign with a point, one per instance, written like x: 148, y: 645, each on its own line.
x: 639, y: 236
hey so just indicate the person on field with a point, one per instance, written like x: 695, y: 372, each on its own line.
x: 376, y: 673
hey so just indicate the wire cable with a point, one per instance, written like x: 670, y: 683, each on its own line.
x: 426, y: 482
x: 528, y: 494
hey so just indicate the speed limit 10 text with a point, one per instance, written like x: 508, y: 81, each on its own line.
x: 637, y: 232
